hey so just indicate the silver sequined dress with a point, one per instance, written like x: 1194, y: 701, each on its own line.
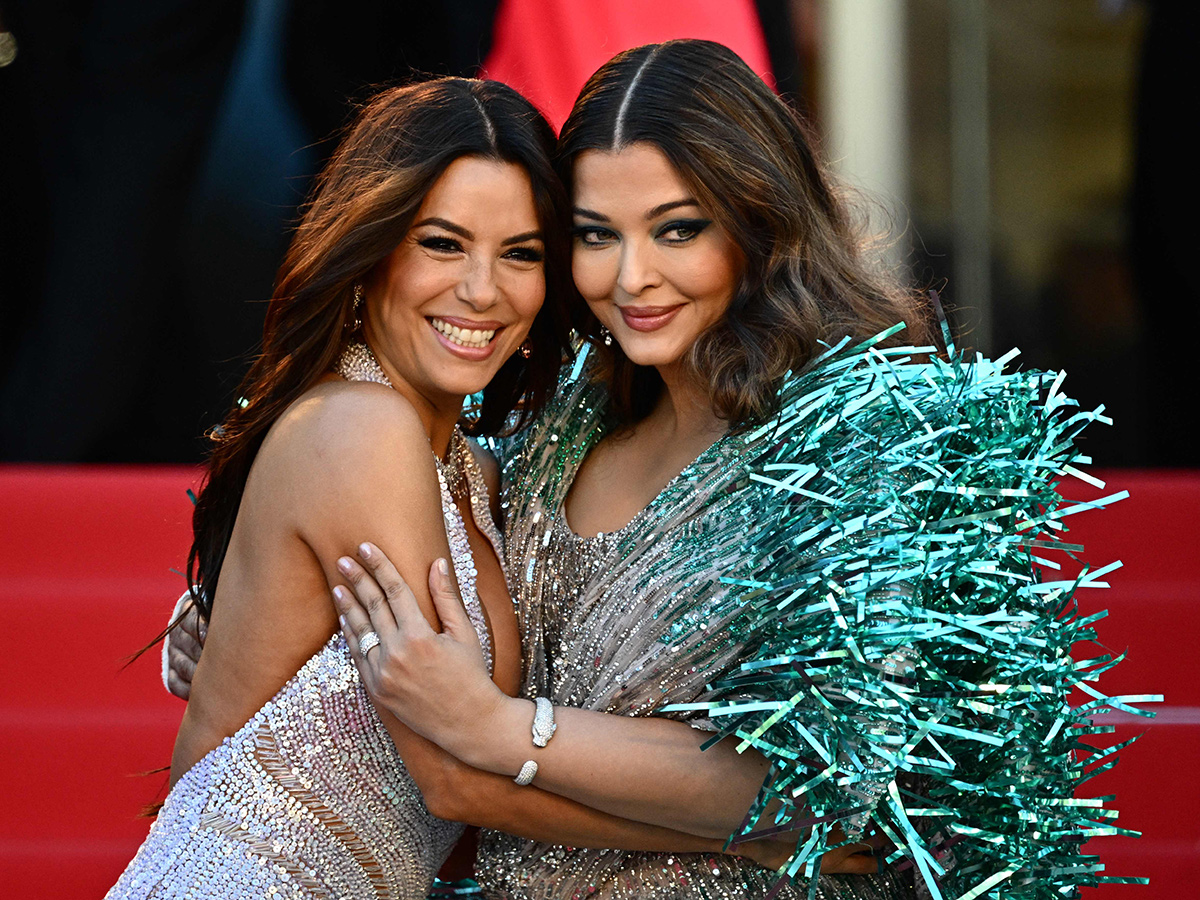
x: 627, y: 623
x: 309, y: 798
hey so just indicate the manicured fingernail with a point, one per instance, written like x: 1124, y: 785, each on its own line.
x: 339, y: 594
x: 365, y: 550
x: 443, y: 567
x: 345, y: 564
x: 342, y: 623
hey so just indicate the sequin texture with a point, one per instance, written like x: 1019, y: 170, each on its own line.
x: 862, y: 589
x: 309, y: 799
x: 627, y: 623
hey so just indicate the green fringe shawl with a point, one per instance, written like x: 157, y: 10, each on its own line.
x: 914, y: 665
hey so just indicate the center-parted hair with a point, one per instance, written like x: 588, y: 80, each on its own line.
x: 363, y: 205
x: 811, y: 274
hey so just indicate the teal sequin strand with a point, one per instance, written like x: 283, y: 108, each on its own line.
x: 913, y: 666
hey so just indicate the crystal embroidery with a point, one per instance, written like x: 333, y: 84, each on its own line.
x: 618, y: 623
x: 309, y: 799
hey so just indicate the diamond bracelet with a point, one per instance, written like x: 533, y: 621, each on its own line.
x: 543, y: 730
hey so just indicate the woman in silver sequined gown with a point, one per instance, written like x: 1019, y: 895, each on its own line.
x: 713, y: 254
x: 420, y: 268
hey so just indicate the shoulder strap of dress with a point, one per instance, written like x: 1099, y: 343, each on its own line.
x: 480, y: 499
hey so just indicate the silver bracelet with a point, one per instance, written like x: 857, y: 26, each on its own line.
x: 543, y: 722
x: 527, y: 772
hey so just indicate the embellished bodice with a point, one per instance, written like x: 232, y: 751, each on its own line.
x: 310, y: 799
x: 628, y: 622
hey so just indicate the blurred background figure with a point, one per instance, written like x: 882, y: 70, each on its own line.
x: 152, y: 161
x: 1026, y: 153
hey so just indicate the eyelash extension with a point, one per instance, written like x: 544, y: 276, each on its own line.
x: 529, y: 254
x: 696, y: 226
x: 581, y: 231
x: 440, y: 242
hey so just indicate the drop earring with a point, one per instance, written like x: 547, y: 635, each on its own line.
x: 355, y: 323
x: 526, y: 349
x: 606, y: 336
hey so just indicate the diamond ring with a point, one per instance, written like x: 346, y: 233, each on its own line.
x: 367, y: 643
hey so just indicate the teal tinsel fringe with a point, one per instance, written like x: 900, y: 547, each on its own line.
x: 914, y: 660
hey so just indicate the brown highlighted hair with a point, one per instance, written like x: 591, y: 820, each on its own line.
x: 362, y: 206
x: 810, y: 274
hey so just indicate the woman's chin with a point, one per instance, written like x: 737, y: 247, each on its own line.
x: 640, y: 354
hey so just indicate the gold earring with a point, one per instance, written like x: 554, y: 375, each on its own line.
x: 356, y: 308
x: 526, y: 349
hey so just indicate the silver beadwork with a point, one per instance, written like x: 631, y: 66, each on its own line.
x: 453, y: 466
x: 310, y: 798
x: 358, y: 363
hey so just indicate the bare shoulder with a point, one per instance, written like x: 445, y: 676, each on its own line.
x: 343, y: 446
x: 341, y: 425
x: 356, y: 419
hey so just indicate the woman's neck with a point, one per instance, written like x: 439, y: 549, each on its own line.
x: 684, y: 407
x: 438, y: 420
x: 438, y: 416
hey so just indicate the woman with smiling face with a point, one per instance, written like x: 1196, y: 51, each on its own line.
x: 416, y: 277
x: 714, y: 257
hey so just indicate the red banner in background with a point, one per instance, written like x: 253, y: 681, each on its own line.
x: 547, y: 49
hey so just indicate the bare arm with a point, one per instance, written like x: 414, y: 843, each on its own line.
x: 647, y: 769
x: 331, y: 484
x: 454, y: 790
x: 496, y: 802
x: 469, y: 795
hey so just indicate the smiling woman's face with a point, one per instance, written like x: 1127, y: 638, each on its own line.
x: 458, y: 295
x: 651, y: 263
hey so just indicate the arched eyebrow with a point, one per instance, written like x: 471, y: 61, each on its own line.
x: 651, y: 214
x: 470, y: 235
x: 448, y: 225
x: 591, y: 214
x: 522, y: 238
x: 667, y: 207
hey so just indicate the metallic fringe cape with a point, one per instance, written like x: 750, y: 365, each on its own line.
x: 913, y: 665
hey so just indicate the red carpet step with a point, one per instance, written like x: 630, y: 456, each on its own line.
x: 85, y: 580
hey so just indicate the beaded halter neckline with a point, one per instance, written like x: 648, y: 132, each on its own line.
x: 358, y: 363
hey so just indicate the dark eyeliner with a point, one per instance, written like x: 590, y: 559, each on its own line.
x: 439, y: 242
x: 581, y: 232
x: 696, y: 226
x: 528, y: 254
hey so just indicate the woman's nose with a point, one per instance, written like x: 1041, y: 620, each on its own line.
x: 637, y: 271
x: 478, y: 286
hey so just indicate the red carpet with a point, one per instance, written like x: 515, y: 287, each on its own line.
x: 85, y: 559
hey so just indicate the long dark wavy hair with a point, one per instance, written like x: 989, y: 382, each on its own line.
x: 362, y: 206
x: 810, y: 273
